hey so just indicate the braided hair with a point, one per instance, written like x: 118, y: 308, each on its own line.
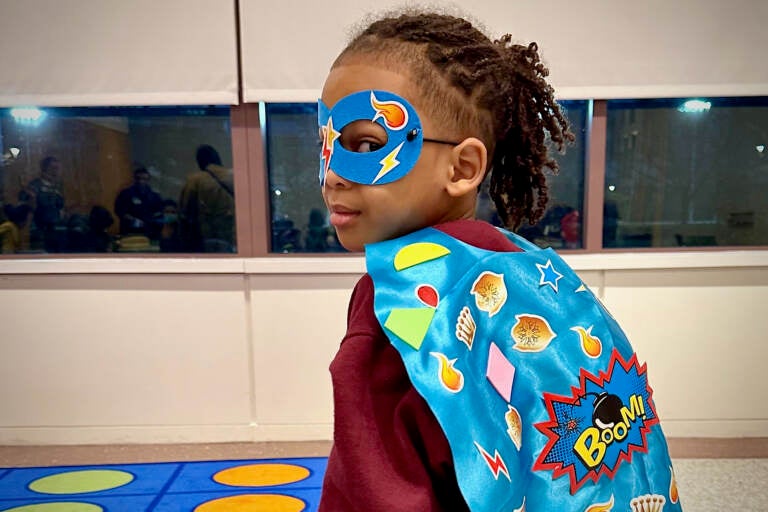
x: 496, y: 89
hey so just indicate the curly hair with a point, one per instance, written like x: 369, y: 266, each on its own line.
x: 495, y: 90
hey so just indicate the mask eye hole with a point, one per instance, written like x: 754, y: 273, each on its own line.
x: 363, y: 136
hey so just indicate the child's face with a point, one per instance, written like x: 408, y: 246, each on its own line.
x: 365, y: 214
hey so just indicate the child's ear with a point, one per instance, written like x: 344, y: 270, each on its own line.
x: 468, y: 161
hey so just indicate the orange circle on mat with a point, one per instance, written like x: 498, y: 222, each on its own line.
x: 258, y: 475
x: 253, y: 503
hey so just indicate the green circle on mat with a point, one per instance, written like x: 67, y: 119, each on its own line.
x: 76, y: 482
x: 58, y: 507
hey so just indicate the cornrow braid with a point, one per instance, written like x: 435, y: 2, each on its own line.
x: 497, y: 89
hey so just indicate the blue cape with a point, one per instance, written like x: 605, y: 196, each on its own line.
x: 543, y: 401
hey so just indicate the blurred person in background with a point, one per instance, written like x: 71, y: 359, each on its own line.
x: 44, y: 196
x: 137, y: 205
x: 207, y: 205
x: 10, y: 230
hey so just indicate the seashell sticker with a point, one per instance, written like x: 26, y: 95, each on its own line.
x: 451, y: 378
x: 648, y: 503
x: 590, y: 344
x: 490, y: 292
x: 531, y: 333
x: 466, y: 327
x: 601, y: 507
x: 514, y: 426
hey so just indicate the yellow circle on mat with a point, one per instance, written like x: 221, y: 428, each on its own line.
x: 76, y: 482
x: 257, y: 475
x: 58, y: 507
x: 253, y: 503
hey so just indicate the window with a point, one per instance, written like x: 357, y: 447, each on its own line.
x: 561, y: 227
x: 298, y: 215
x: 299, y: 218
x: 686, y: 172
x: 111, y: 179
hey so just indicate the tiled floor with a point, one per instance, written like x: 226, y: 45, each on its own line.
x: 712, y: 474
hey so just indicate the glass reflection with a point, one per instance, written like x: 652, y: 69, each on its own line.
x: 686, y: 172
x: 117, y: 179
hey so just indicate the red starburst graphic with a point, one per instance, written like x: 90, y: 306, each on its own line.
x: 565, y: 413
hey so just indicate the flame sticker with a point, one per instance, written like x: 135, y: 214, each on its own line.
x: 514, y: 426
x: 531, y: 333
x: 590, y: 344
x: 466, y: 327
x: 522, y: 507
x: 392, y: 112
x: 601, y: 507
x: 648, y: 503
x: 490, y: 292
x: 495, y: 464
x: 451, y: 378
x: 673, y: 493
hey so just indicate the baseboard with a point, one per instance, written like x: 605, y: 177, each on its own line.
x: 125, y: 435
x: 153, y: 434
x: 715, y: 428
x: 687, y: 438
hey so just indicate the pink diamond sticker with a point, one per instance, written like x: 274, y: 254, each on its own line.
x: 500, y: 372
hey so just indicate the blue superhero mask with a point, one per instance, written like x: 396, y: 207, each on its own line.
x: 384, y: 165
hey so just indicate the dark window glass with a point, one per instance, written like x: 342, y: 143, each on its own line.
x: 299, y: 217
x: 687, y: 172
x: 116, y: 179
x: 561, y: 227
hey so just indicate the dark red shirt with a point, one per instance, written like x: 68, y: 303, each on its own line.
x: 389, y: 452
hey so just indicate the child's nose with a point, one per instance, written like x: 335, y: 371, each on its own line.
x: 333, y: 180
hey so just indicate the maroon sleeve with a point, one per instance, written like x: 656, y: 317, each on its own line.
x: 389, y: 452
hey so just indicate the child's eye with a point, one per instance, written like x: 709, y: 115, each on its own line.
x: 363, y: 136
x: 367, y: 146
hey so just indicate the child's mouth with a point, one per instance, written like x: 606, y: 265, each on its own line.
x: 341, y: 216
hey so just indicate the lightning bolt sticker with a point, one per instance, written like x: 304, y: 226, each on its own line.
x: 389, y: 162
x: 495, y: 463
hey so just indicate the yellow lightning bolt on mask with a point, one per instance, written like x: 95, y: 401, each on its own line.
x: 389, y: 162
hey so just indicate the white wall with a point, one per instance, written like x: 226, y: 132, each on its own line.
x: 149, y: 350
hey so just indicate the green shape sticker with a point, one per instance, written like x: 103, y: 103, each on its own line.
x: 76, y: 482
x: 410, y: 324
x: 418, y: 253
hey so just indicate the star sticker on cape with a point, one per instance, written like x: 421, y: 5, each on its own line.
x: 549, y: 275
x: 329, y: 137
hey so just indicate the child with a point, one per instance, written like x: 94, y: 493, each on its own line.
x: 477, y: 371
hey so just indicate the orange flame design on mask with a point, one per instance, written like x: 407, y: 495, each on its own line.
x: 451, y: 378
x: 601, y: 507
x: 590, y: 344
x: 673, y: 493
x: 394, y: 114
